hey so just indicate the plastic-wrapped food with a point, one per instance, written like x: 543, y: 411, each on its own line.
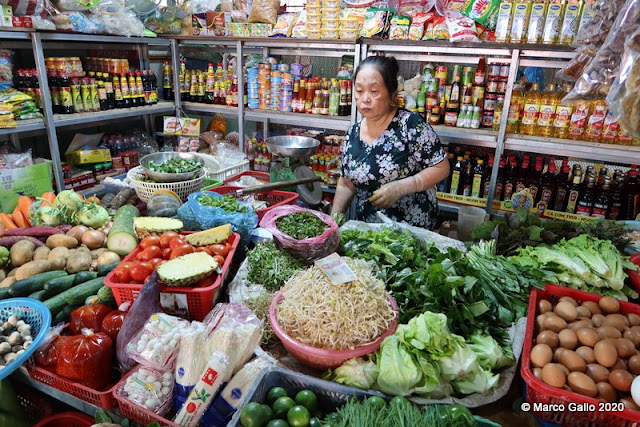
x: 597, y: 78
x: 299, y: 29
x: 462, y: 29
x: 574, y: 69
x: 156, y: 344
x: 399, y: 29
x: 482, y: 11
x: 75, y: 6
x: 376, y: 23
x: 264, y: 11
x: 47, y: 353
x: 147, y: 303
x: 89, y: 317
x: 595, y: 23
x: 86, y: 359
x: 112, y: 322
x: 190, y: 362
x: 149, y: 388
x: 418, y: 21
x: 283, y: 26
x: 308, y: 249
x: 6, y: 66
x: 624, y: 97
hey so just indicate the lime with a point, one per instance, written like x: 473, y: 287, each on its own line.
x: 275, y: 393
x: 375, y: 401
x: 298, y: 416
x: 277, y: 423
x: 282, y: 406
x: 400, y: 401
x: 267, y: 412
x: 308, y: 399
x: 314, y: 422
x: 253, y: 415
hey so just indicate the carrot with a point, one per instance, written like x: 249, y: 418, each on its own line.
x: 24, y: 203
x: 19, y: 219
x: 48, y: 198
x: 80, y: 195
x: 93, y: 199
x: 7, y: 221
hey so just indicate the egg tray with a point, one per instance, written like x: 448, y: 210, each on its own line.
x: 562, y: 406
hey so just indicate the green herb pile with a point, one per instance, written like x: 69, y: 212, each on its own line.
x: 175, y: 165
x: 301, y: 225
x: 270, y: 266
x: 227, y: 203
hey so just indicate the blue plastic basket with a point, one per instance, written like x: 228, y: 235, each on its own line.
x: 34, y: 313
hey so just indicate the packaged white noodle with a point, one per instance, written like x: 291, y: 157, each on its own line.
x: 214, y: 375
x: 190, y: 362
x: 149, y: 388
x: 156, y: 345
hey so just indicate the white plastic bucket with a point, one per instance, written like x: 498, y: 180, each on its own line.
x: 469, y: 217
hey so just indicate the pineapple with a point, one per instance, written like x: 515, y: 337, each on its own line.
x: 155, y: 226
x: 187, y: 269
x: 210, y: 237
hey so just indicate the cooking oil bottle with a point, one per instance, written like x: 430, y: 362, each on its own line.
x: 595, y: 124
x: 548, y: 106
x: 517, y: 103
x: 532, y: 102
x: 578, y: 120
x: 563, y: 115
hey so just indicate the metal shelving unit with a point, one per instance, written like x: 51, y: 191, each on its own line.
x: 95, y: 118
x: 30, y: 125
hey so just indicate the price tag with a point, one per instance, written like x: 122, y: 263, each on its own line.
x: 336, y: 270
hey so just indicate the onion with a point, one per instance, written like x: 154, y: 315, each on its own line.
x: 77, y: 232
x: 93, y: 239
x: 108, y: 257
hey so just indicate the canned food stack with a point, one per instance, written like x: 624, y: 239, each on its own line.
x: 330, y: 19
x: 276, y: 87
x: 253, y: 98
x: 287, y: 88
x: 314, y: 18
x: 264, y: 86
x: 495, y: 89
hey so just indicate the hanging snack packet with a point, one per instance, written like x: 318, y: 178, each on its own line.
x: 418, y: 21
x: 376, y: 23
x: 283, y: 25
x: 440, y: 29
x: 299, y: 29
x: 484, y: 12
x: 462, y: 29
x: 399, y: 29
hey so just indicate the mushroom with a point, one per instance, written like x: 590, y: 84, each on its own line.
x: 9, y: 357
x: 5, y: 348
x: 15, y: 338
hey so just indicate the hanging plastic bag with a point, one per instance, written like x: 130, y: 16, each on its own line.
x: 149, y: 388
x: 624, y: 97
x: 86, y: 359
x: 307, y: 249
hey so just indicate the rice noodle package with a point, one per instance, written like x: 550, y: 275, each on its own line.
x: 283, y: 26
x: 399, y: 29
x: 308, y: 249
x: 376, y: 23
x: 86, y: 359
x: 264, y: 11
x: 461, y: 28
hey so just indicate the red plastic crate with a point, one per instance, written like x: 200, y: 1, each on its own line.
x: 274, y: 198
x: 539, y: 392
x: 101, y: 399
x: 67, y: 419
x: 200, y: 300
x: 260, y: 176
x: 135, y: 412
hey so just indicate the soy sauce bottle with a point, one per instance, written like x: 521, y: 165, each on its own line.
x: 66, y: 99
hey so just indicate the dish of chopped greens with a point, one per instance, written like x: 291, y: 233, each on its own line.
x: 227, y: 203
x: 175, y: 165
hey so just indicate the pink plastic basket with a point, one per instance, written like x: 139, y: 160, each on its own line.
x: 67, y: 419
x: 274, y: 198
x: 318, y: 358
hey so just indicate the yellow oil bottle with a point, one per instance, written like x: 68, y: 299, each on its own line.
x: 548, y: 106
x: 515, y: 108
x: 595, y: 124
x: 563, y: 115
x: 532, y: 101
x: 578, y: 121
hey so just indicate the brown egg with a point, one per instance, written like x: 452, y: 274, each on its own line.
x: 606, y: 392
x: 568, y: 299
x: 541, y: 354
x: 544, y: 306
x: 597, y: 373
x: 597, y: 320
x: 605, y: 354
x: 633, y: 336
x: 636, y: 328
x: 553, y: 375
x: 616, y: 320
x: 580, y: 324
x: 537, y: 372
x: 583, y: 312
x: 568, y: 338
x: 620, y: 380
x: 593, y: 307
x: 588, y: 336
x: 554, y: 323
x: 549, y: 338
x: 609, y: 305
x: 634, y: 319
x: 608, y: 332
x: 566, y: 311
x: 634, y: 364
x: 620, y: 364
x: 581, y: 383
x: 625, y: 348
x: 557, y: 353
x: 573, y: 361
x: 564, y: 369
x: 629, y: 404
x: 540, y: 321
x: 586, y: 353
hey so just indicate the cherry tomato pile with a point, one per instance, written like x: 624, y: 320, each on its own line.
x: 156, y: 250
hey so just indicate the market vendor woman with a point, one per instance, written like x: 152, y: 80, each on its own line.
x: 392, y: 159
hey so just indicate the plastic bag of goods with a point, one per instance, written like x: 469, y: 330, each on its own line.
x: 190, y: 362
x: 624, y: 97
x: 376, y: 23
x: 88, y: 317
x: 86, y: 359
x: 149, y: 388
x: 311, y: 234
x: 47, y: 353
x: 264, y: 11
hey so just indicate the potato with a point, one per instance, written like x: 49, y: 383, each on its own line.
x: 95, y: 254
x: 58, y: 263
x: 57, y: 240
x: 22, y: 253
x: 59, y: 252
x: 41, y: 253
x: 7, y: 282
x: 32, y: 268
x: 80, y: 262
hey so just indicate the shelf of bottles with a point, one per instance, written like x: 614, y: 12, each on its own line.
x: 24, y: 126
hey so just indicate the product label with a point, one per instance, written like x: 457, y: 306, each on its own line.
x: 508, y: 191
x: 560, y: 196
x: 545, y: 196
x: 503, y: 27
x: 534, y: 191
x: 102, y: 93
x: 547, y: 113
x: 466, y: 191
x: 514, y: 114
x: 614, y: 212
x: 153, y: 97
x: 584, y: 209
x: 578, y: 121
x: 563, y: 116
x: 125, y: 89
x: 498, y: 193
x: 599, y: 211
x: 519, y: 22
x: 455, y: 181
x: 519, y: 187
x: 477, y: 183
x: 611, y: 128
x: 536, y: 23
x: 596, y: 123
x: 573, y: 200
x: 450, y: 118
x: 553, y: 24
x: 570, y: 23
x: 66, y: 100
x: 530, y: 115
x: 336, y: 269
x: 588, y: 13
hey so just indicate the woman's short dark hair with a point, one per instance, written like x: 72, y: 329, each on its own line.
x: 388, y: 68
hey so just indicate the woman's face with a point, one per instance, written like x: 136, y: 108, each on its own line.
x: 372, y: 97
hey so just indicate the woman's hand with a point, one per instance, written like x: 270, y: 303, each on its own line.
x: 389, y: 193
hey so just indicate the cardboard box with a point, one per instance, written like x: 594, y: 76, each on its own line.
x: 28, y: 181
x: 22, y: 22
x: 260, y: 30
x: 81, y: 157
x: 6, y: 10
x: 237, y: 29
x: 6, y: 21
x: 216, y: 23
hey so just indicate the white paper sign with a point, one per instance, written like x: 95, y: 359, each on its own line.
x: 336, y: 269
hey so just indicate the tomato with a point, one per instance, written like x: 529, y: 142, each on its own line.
x: 141, y: 271
x: 177, y: 241
x: 227, y: 244
x: 166, y: 238
x: 122, y: 275
x: 166, y: 253
x: 150, y: 253
x: 219, y: 260
x: 126, y: 265
x: 155, y: 262
x: 181, y: 250
x: 207, y: 281
x: 150, y: 241
x: 219, y: 250
x: 201, y: 249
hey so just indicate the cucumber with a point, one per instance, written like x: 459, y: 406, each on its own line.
x: 25, y: 287
x: 39, y: 295
x: 84, y: 276
x: 106, y: 296
x: 77, y: 294
x: 64, y: 314
x: 93, y: 299
x: 4, y: 293
x: 106, y: 269
x: 122, y: 237
x: 60, y: 284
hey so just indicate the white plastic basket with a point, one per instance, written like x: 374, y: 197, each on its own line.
x: 223, y: 174
x: 145, y: 190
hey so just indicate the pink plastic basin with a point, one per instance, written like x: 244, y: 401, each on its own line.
x: 318, y: 358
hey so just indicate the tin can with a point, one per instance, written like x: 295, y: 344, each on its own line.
x: 441, y: 74
x: 502, y: 86
x: 494, y: 70
x: 504, y: 71
x: 492, y: 85
x: 487, y: 119
x: 490, y: 102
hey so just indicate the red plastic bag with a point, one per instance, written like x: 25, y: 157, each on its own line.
x: 88, y: 316
x: 86, y: 359
x: 112, y: 323
x: 307, y: 249
x: 47, y: 356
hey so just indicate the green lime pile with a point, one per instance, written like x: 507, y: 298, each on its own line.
x: 282, y: 410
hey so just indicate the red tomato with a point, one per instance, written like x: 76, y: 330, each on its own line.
x: 166, y: 253
x: 227, y: 244
x: 207, y: 281
x: 126, y: 265
x: 155, y: 262
x: 177, y: 241
x: 219, y: 260
x: 141, y: 271
x: 150, y: 241
x: 201, y: 249
x: 122, y: 275
x: 150, y: 253
x: 181, y: 250
x: 219, y: 250
x: 166, y: 238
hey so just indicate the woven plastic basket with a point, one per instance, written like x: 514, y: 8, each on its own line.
x: 145, y: 190
x: 223, y: 174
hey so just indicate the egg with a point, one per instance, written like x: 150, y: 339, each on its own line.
x: 620, y: 364
x: 540, y: 321
x: 608, y: 332
x: 544, y: 306
x: 629, y: 404
x: 549, y: 338
x: 597, y: 373
x: 537, y: 372
x: 587, y: 336
x: 616, y: 320
x: 566, y: 311
x: 572, y: 361
x: 635, y: 390
x: 581, y: 324
x: 583, y: 311
x: 581, y: 383
x: 553, y: 375
x: 564, y: 369
x: 541, y: 354
x: 557, y: 353
x: 605, y: 354
x: 625, y: 348
x: 597, y: 320
x: 620, y: 380
x: 569, y: 300
x: 593, y: 307
x: 554, y: 323
x: 634, y: 319
x: 632, y: 335
x: 609, y: 305
x: 634, y: 364
x: 568, y: 339
x: 586, y: 353
x: 606, y: 392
